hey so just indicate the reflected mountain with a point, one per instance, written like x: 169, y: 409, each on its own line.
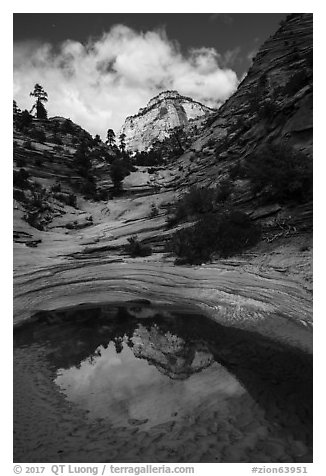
x: 139, y: 363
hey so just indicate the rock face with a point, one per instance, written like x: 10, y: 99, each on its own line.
x: 272, y: 105
x: 154, y: 122
x: 256, y: 290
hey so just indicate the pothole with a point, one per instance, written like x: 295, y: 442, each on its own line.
x: 141, y: 383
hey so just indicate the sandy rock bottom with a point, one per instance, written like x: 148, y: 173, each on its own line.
x: 117, y: 384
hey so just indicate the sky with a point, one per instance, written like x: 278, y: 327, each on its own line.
x: 100, y: 68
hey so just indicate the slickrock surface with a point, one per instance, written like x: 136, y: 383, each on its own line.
x: 260, y: 289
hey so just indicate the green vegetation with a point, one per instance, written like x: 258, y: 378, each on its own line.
x: 118, y: 171
x: 20, y: 162
x: 67, y: 198
x: 298, y: 81
x: 38, y: 135
x: 20, y: 178
x: 134, y: 248
x: 41, y: 97
x: 28, y: 145
x: 198, y: 201
x: 162, y: 151
x: 224, y: 233
x: 154, y: 211
x: 110, y: 137
x: 56, y: 139
x: 122, y: 142
x: 23, y: 121
x: 280, y: 173
x: 150, y: 158
x: 218, y: 228
x: 67, y: 127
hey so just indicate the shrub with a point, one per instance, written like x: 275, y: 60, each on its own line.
x: 24, y: 121
x: 283, y: 173
x: 154, y: 211
x: 20, y: 178
x: 296, y: 82
x: 38, y: 200
x: 68, y: 199
x: 57, y: 140
x: 20, y: 162
x: 102, y: 194
x: 38, y: 135
x: 72, y: 200
x: 118, y: 172
x: 225, y: 233
x: 200, y: 200
x: 134, y: 248
x: 19, y: 195
x: 88, y: 188
x: 67, y: 127
x: 56, y: 187
x: 236, y: 171
x: 28, y: 145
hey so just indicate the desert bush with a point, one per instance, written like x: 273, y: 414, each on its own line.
x: 72, y: 200
x: 88, y: 188
x: 225, y: 234
x: 296, y: 82
x: 20, y: 161
x: 38, y: 135
x: 102, y: 194
x: 67, y: 127
x: 20, y: 178
x: 24, y: 121
x: 154, y: 211
x: 38, y: 200
x: 56, y: 187
x: 19, y: 195
x: 67, y: 198
x: 57, y: 140
x: 281, y: 172
x: 134, y: 248
x: 200, y: 200
x: 28, y: 145
x: 118, y: 171
x: 236, y: 171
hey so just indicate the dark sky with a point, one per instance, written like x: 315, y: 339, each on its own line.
x: 241, y: 33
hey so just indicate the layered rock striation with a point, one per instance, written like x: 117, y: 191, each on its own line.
x: 154, y: 122
x: 267, y: 290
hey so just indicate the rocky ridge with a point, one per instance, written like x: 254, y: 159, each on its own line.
x: 154, y: 122
x: 257, y: 290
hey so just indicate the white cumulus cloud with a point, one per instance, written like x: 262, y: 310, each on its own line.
x: 99, y: 83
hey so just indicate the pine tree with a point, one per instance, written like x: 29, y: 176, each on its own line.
x: 122, y: 144
x: 110, y: 137
x: 41, y: 97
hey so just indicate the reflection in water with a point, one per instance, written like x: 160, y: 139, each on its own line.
x: 137, y: 383
x: 217, y: 393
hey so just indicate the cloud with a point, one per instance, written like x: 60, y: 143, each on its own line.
x: 99, y: 83
x: 230, y: 57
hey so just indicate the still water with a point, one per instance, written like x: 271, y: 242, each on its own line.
x: 143, y: 384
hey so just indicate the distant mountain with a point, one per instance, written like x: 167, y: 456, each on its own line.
x: 165, y: 111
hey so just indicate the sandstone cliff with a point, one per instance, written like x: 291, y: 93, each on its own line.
x: 154, y: 122
x: 267, y: 289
